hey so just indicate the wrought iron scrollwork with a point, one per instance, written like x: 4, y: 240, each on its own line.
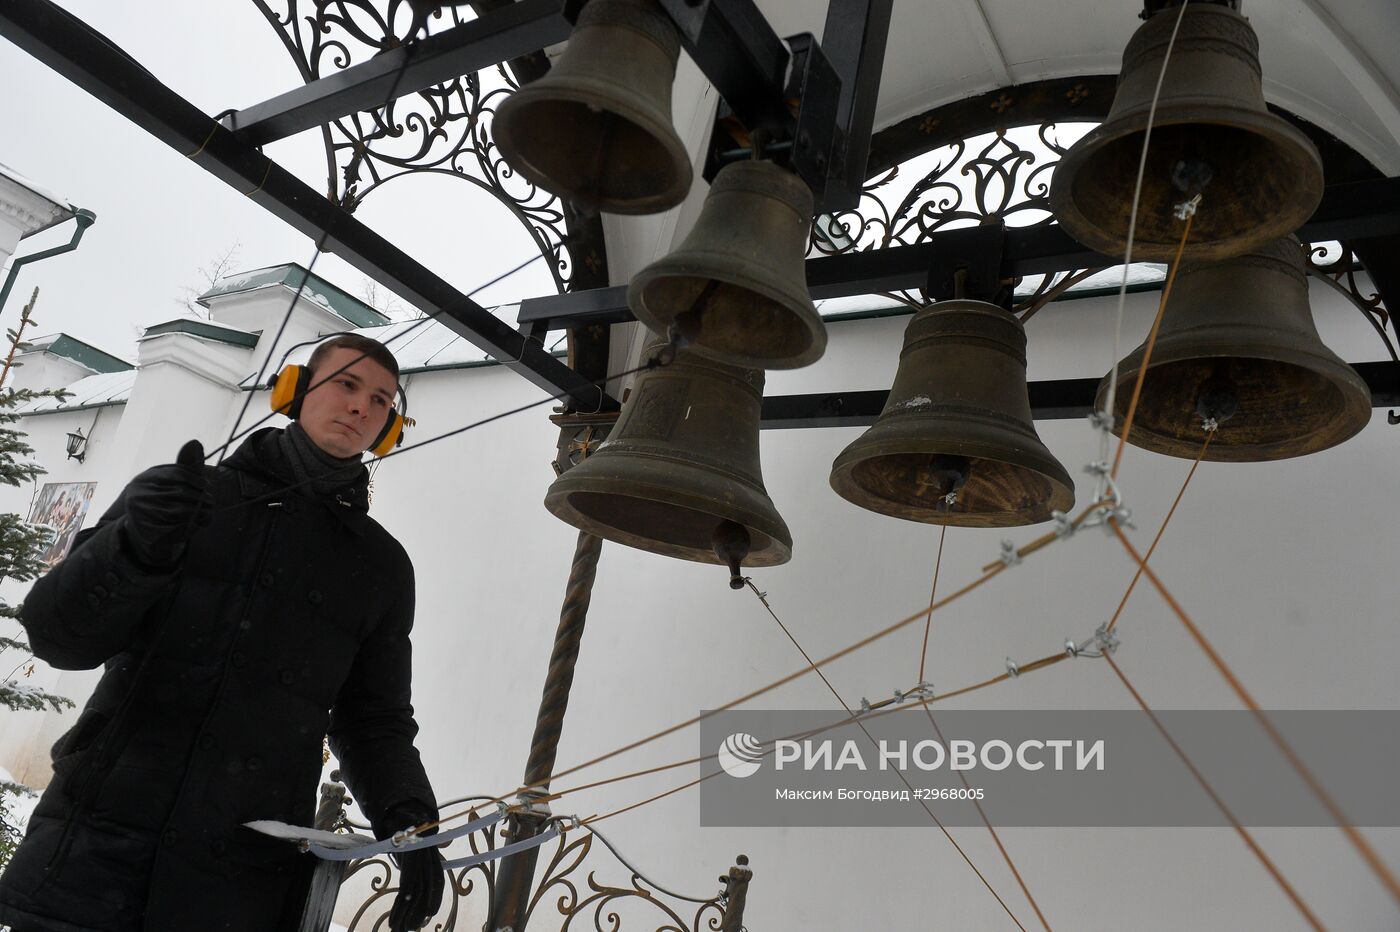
x: 1339, y: 273
x: 444, y: 129
x: 570, y: 889
x: 1002, y: 176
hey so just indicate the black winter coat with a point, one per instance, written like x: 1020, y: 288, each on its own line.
x: 287, y: 619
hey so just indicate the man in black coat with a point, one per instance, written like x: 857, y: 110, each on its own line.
x: 242, y: 612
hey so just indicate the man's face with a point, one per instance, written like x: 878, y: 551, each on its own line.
x: 344, y: 414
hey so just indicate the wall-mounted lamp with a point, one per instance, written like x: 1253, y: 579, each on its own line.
x: 77, y: 445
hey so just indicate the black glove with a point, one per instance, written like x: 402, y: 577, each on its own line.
x: 421, y: 873
x: 164, y: 505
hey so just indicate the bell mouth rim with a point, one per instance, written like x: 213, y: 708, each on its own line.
x: 1067, y: 214
x: 503, y: 133
x: 777, y: 551
x: 654, y: 322
x: 1351, y: 419
x: 843, y: 484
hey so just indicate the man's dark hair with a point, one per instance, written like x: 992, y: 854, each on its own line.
x: 372, y: 349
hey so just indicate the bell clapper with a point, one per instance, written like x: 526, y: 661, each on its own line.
x: 947, y: 474
x: 731, y: 545
x: 1217, y: 400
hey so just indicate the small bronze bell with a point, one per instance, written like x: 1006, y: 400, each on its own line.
x: 1238, y: 345
x: 955, y: 443
x: 679, y: 474
x: 1258, y: 176
x: 596, y: 130
x: 736, y: 289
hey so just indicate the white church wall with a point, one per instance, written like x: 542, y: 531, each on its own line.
x: 25, y: 738
x: 1286, y: 566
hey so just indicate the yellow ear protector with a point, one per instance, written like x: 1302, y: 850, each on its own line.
x: 290, y: 386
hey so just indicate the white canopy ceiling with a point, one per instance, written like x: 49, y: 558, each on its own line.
x: 1333, y: 62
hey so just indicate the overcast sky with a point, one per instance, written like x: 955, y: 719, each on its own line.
x: 160, y: 217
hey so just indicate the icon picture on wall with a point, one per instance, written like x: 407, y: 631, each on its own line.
x: 61, y: 506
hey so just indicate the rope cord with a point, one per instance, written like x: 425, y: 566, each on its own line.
x: 1358, y: 841
x: 1006, y: 855
x: 933, y: 593
x: 878, y: 710
x: 899, y: 773
x: 923, y: 660
x: 1046, y: 539
x: 754, y: 694
x: 1215, y: 798
x: 1165, y: 521
x: 1151, y: 342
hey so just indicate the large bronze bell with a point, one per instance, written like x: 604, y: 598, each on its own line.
x: 955, y: 443
x: 596, y: 130
x: 1237, y: 344
x: 679, y: 474
x: 736, y: 289
x: 1259, y: 177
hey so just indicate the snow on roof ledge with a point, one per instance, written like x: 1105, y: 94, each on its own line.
x: 84, y: 354
x: 44, y: 208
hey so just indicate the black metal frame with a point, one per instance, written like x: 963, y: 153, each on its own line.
x: 94, y: 63
x: 739, y: 52
x: 826, y: 142
x: 1058, y: 399
x: 518, y: 29
x: 1355, y: 212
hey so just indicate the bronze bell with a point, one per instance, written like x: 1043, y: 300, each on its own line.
x: 955, y: 443
x: 596, y: 130
x: 679, y: 474
x: 1237, y: 344
x: 736, y: 289
x: 1258, y: 176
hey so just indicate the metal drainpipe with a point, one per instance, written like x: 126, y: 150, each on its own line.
x: 85, y: 219
x: 517, y: 874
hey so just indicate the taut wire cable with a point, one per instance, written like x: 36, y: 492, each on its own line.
x: 320, y: 247
x: 933, y: 593
x: 1219, y: 803
x: 1358, y: 841
x: 1165, y: 521
x: 426, y: 318
x: 1151, y: 342
x: 923, y: 660
x: 899, y: 773
x: 262, y: 367
x: 987, y: 573
x: 878, y: 710
x: 1111, y: 397
x: 275, y: 493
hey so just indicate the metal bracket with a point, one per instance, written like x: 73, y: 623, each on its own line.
x: 1103, y: 642
x: 967, y: 264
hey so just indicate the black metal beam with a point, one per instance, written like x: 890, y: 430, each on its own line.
x: 1347, y: 212
x: 740, y: 53
x: 854, y: 40
x: 1060, y: 399
x: 512, y: 31
x: 94, y: 63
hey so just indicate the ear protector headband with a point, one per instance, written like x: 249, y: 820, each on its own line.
x: 290, y: 386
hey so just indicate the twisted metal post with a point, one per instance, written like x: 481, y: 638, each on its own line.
x: 513, y: 888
